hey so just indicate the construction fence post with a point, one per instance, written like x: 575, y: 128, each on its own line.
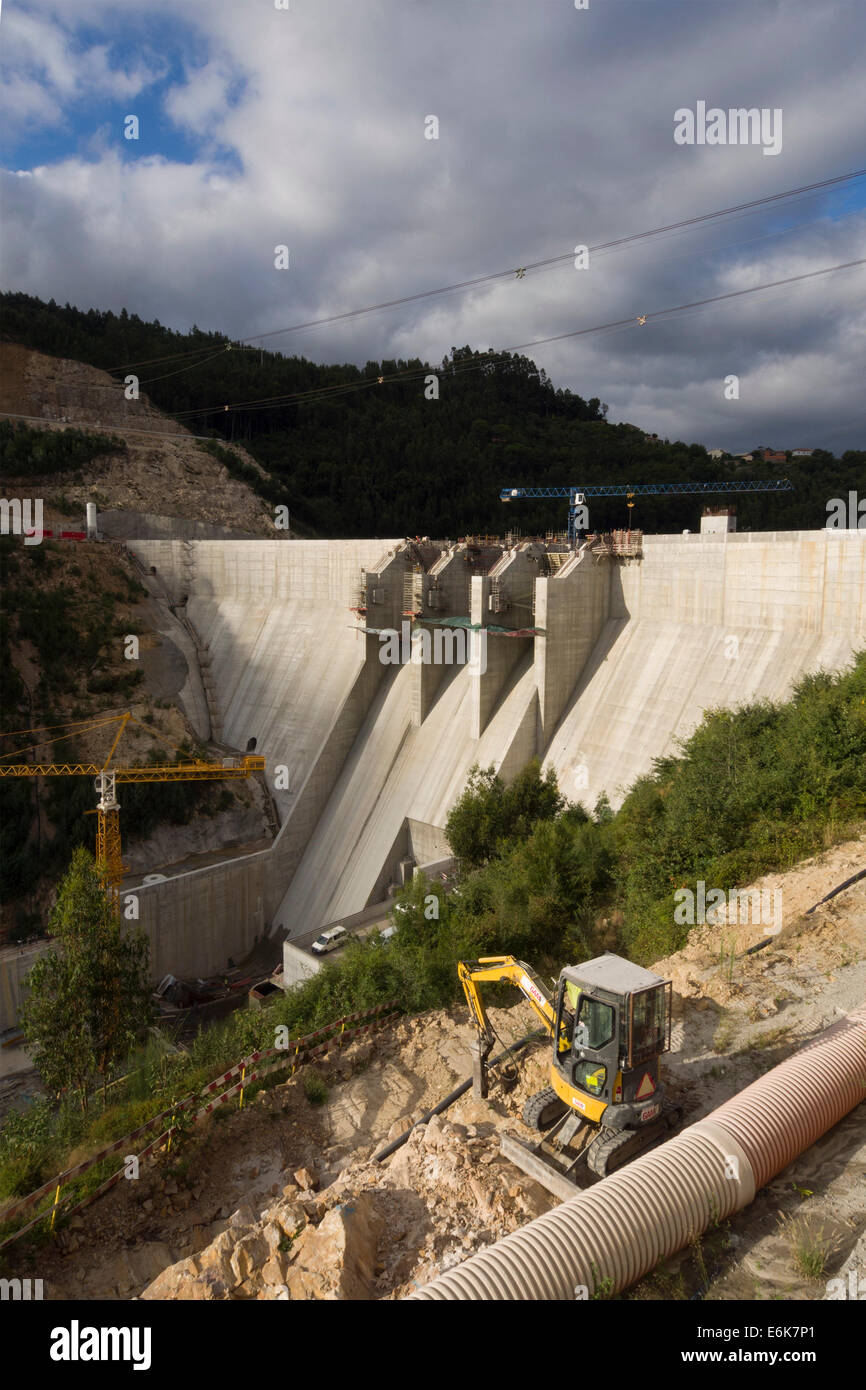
x: 54, y: 1208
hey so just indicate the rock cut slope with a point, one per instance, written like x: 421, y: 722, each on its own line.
x: 163, y: 470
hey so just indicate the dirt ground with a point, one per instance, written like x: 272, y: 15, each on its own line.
x: 182, y: 1229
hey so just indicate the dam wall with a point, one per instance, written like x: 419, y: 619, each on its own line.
x: 703, y: 622
x: 621, y: 658
x: 291, y: 669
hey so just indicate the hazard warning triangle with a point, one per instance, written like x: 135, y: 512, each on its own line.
x: 646, y: 1087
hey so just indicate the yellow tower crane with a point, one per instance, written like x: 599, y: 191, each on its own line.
x: 108, y: 849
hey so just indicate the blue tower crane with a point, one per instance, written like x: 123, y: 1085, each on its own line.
x: 577, y: 493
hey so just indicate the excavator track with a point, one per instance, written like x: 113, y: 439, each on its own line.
x: 613, y: 1148
x: 542, y: 1111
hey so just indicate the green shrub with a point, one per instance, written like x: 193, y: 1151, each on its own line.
x: 810, y: 1249
x: 25, y: 1149
x: 22, y: 1174
x: 26, y: 452
x: 315, y: 1088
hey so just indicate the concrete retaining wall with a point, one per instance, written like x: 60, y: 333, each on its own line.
x: 291, y: 670
x: 298, y: 965
x: 571, y: 608
x: 427, y: 843
x: 15, y: 961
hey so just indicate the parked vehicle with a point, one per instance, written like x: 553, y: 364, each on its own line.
x: 329, y: 941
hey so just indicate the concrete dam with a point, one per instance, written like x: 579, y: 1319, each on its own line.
x: 595, y: 660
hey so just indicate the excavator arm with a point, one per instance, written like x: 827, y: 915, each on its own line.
x: 499, y: 970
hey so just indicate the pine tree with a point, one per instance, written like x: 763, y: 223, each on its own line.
x: 89, y: 998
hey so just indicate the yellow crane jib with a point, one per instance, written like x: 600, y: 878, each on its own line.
x: 106, y: 780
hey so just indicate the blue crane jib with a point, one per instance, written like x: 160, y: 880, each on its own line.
x: 577, y: 493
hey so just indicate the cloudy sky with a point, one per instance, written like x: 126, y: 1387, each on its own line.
x: 305, y: 126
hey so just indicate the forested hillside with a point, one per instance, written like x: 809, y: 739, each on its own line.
x: 381, y: 459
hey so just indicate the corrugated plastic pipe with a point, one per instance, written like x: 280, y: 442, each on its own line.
x: 611, y: 1235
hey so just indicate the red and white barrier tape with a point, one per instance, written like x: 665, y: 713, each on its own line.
x: 294, y: 1052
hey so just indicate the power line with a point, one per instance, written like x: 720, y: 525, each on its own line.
x: 190, y: 367
x: 175, y: 356
x: 696, y: 303
x: 751, y: 205
x: 555, y: 260
x: 482, y: 359
x: 115, y: 386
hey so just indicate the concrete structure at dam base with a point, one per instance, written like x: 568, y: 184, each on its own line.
x: 597, y: 661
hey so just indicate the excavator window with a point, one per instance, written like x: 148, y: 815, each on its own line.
x: 598, y: 1019
x: 648, y: 1023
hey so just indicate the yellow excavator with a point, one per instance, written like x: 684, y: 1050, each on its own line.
x: 609, y: 1022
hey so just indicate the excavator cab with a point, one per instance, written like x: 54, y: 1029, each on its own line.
x: 612, y: 1023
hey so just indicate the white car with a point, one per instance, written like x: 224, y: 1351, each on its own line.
x: 329, y: 941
